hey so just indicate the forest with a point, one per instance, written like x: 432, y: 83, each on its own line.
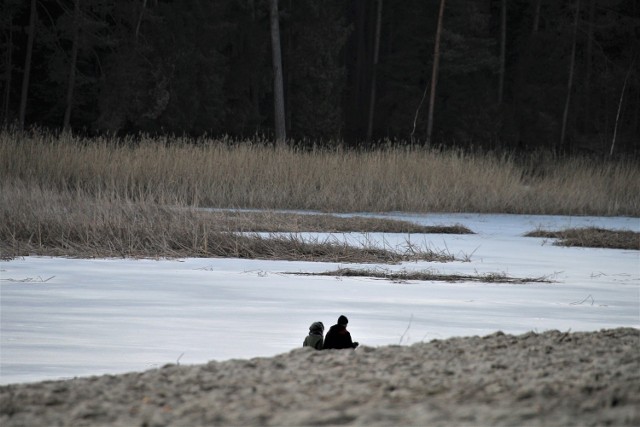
x: 517, y: 75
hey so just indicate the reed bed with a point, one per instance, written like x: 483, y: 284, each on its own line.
x: 40, y: 222
x: 279, y: 222
x: 227, y: 174
x: 161, y: 197
x: 592, y: 237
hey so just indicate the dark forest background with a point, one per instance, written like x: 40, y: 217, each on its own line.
x: 194, y: 67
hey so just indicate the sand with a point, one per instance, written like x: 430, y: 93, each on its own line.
x: 549, y: 379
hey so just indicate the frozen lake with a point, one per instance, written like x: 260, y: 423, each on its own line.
x: 63, y: 318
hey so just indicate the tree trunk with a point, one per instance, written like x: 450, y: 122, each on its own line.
x: 376, y: 52
x: 503, y: 48
x: 288, y: 81
x: 415, y: 116
x: 27, y: 65
x: 361, y: 68
x: 278, y: 86
x: 137, y: 33
x: 7, y: 74
x: 434, y: 73
x: 615, y: 127
x: 536, y: 16
x: 72, y: 66
x: 254, y: 82
x: 565, y: 115
x: 587, y: 82
x: 636, y: 120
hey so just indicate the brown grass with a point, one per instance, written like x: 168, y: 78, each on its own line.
x: 151, y: 196
x: 278, y: 222
x: 427, y: 275
x: 592, y: 237
x: 46, y: 223
x: 222, y: 174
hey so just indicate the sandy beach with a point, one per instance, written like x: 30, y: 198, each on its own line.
x: 553, y: 378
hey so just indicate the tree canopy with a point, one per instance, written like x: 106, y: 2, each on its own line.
x: 197, y: 67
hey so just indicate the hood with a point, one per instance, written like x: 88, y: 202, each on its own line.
x: 316, y: 328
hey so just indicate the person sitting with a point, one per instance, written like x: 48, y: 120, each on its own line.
x: 338, y: 337
x: 314, y: 339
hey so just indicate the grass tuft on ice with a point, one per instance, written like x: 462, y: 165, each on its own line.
x: 591, y: 237
x: 427, y: 275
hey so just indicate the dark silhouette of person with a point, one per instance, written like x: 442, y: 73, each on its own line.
x: 338, y: 337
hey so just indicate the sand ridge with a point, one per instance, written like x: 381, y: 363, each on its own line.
x: 552, y: 378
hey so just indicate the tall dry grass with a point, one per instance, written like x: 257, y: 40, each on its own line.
x: 40, y: 222
x: 223, y: 174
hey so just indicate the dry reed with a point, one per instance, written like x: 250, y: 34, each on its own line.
x: 222, y: 174
x: 592, y: 237
x: 72, y: 196
x: 279, y: 222
x: 427, y: 275
x: 41, y: 222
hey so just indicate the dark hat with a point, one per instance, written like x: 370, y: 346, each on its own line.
x: 342, y: 320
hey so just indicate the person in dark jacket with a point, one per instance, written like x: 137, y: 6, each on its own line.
x: 314, y: 339
x: 338, y: 337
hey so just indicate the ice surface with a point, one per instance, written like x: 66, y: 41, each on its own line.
x: 63, y: 318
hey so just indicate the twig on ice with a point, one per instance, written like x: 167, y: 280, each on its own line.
x: 406, y: 330
x: 581, y: 302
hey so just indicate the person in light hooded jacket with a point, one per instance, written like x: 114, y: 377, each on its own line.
x: 338, y: 337
x: 315, y: 339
